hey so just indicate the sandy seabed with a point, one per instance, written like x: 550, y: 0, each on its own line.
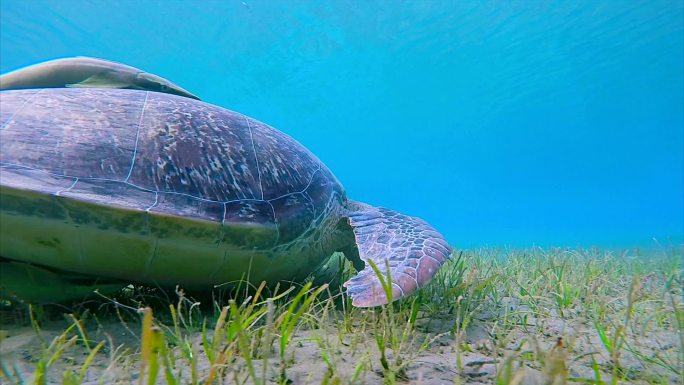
x: 491, y: 317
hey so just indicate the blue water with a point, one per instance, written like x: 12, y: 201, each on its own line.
x: 501, y: 123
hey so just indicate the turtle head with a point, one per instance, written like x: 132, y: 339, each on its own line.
x: 152, y: 82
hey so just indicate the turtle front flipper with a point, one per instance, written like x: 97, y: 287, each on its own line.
x: 411, y: 248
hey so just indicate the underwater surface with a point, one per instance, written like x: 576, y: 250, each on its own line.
x: 500, y: 123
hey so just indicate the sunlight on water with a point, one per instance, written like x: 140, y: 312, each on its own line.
x: 501, y: 123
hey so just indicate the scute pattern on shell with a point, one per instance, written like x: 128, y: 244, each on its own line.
x: 195, y: 149
x: 41, y: 134
x: 165, y: 154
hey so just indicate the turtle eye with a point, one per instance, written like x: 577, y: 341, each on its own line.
x: 164, y: 87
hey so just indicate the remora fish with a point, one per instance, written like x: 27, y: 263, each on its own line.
x: 86, y: 72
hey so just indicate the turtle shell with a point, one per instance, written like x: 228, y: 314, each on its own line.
x: 156, y: 187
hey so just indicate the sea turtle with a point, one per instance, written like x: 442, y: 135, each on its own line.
x: 87, y: 72
x: 166, y: 190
